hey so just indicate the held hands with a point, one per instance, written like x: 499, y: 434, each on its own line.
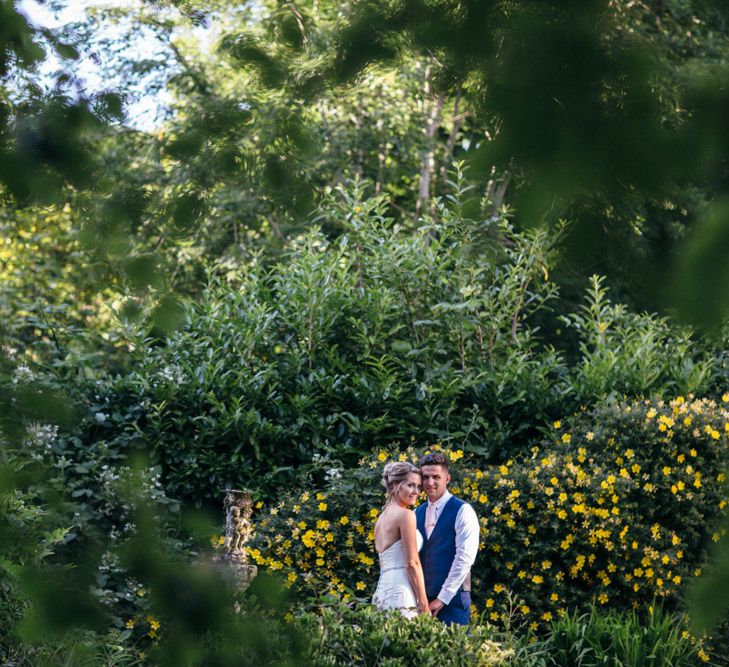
x: 423, y: 609
x: 435, y: 606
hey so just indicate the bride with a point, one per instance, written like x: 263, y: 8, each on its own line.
x: 397, y: 540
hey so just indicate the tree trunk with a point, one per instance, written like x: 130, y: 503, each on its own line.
x: 456, y: 121
x: 427, y: 168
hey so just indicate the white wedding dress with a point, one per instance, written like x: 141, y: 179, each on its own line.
x: 393, y: 589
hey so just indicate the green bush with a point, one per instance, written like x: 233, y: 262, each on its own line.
x: 622, y: 639
x: 28, y: 535
x: 367, y: 636
x: 621, y: 353
x: 348, y: 344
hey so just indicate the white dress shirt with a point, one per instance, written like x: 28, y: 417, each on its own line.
x: 467, y: 538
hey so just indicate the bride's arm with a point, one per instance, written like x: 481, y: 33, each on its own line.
x: 408, y: 530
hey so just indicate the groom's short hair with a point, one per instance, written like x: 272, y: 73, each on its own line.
x: 434, y: 459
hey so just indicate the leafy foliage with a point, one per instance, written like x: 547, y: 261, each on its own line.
x: 354, y: 342
x: 350, y: 343
x: 365, y: 636
x: 629, y: 639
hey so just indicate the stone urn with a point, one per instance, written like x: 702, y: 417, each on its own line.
x: 238, y: 506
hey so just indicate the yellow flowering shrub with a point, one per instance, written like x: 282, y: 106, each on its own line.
x: 618, y: 513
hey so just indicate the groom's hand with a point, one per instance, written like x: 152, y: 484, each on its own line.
x: 435, y: 606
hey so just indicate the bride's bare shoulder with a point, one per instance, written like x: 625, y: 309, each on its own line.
x: 405, y: 515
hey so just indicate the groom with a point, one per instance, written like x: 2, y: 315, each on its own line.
x: 450, y: 531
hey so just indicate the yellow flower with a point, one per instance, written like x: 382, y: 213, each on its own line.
x: 489, y: 603
x: 141, y: 592
x: 382, y: 456
x: 322, y: 507
x: 130, y: 623
x: 524, y: 609
x: 547, y: 616
x: 360, y: 585
x: 554, y: 597
x: 566, y: 438
x: 538, y: 579
x: 590, y: 435
x: 291, y: 577
x: 498, y: 588
x: 651, y: 413
x: 725, y: 398
x: 557, y: 424
x: 458, y: 454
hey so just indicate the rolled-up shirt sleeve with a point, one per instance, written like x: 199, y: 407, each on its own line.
x: 467, y: 538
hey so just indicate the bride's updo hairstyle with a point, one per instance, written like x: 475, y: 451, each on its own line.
x: 395, y: 474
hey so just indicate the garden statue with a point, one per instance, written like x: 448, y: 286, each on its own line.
x: 238, y: 529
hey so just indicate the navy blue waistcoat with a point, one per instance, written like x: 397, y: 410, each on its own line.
x: 439, y: 549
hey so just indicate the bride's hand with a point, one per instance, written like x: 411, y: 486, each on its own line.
x: 424, y: 610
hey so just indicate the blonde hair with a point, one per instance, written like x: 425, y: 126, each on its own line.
x: 395, y: 474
